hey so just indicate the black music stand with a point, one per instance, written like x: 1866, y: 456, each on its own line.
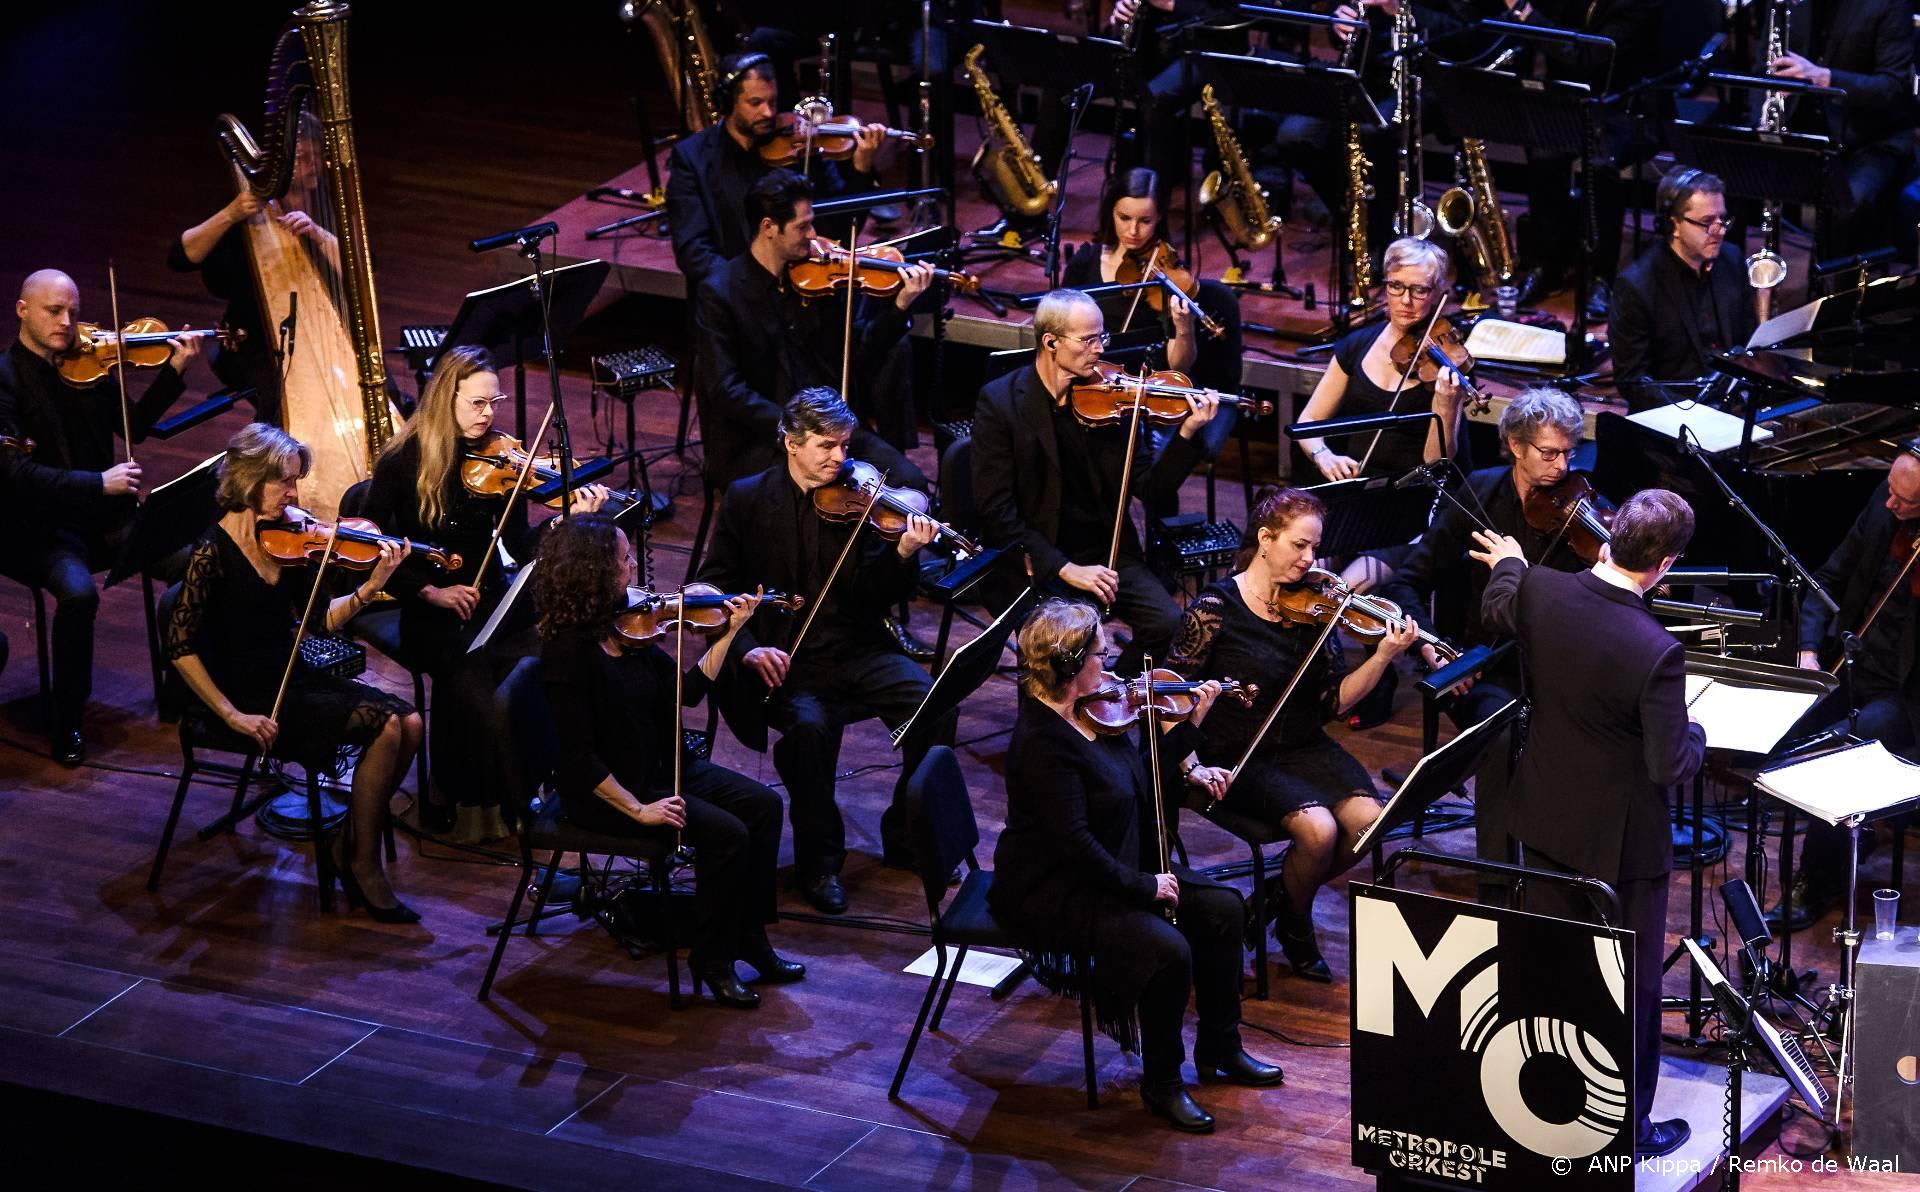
x: 1550, y: 116
x: 505, y: 320
x: 966, y: 671
x: 1368, y: 513
x: 1780, y: 167
x: 171, y: 519
x: 1436, y: 774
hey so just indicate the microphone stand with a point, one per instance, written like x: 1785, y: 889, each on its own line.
x: 562, y: 436
x: 1076, y: 101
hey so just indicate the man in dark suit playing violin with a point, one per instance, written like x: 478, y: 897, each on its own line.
x: 760, y: 343
x: 847, y: 668
x: 69, y: 504
x: 1050, y: 485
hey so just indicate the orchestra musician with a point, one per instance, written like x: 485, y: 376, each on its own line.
x: 1685, y: 299
x: 231, y: 637
x: 848, y: 668
x: 1299, y: 782
x: 1539, y: 429
x: 612, y: 704
x: 70, y: 505
x: 1077, y: 874
x: 1048, y: 484
x: 760, y: 344
x: 417, y: 493
x: 1608, y: 737
x: 1132, y: 226
x: 1885, y: 683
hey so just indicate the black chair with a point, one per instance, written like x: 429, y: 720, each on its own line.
x: 200, y: 732
x: 949, y: 584
x: 948, y: 835
x: 379, y: 626
x: 43, y: 654
x: 1256, y: 834
x: 533, y: 746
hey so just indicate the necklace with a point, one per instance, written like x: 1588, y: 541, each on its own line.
x: 1273, y: 606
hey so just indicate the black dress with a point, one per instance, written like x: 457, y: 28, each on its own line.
x: 241, y: 628
x: 1297, y: 765
x: 1401, y: 448
x: 1218, y: 364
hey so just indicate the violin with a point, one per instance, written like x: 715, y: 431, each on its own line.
x: 1317, y: 599
x: 1157, y: 262
x: 702, y: 607
x: 831, y: 138
x: 143, y: 343
x: 875, y: 270
x: 859, y: 485
x: 490, y: 467
x: 1109, y: 401
x: 1445, y: 350
x: 300, y: 538
x: 1117, y: 704
x: 1571, y: 509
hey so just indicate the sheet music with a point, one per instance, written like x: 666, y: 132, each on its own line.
x: 1716, y: 431
x: 1516, y: 343
x: 1747, y: 719
x: 1861, y: 780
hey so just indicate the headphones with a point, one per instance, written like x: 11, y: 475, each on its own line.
x: 1066, y: 660
x: 724, y: 85
x: 1679, y: 186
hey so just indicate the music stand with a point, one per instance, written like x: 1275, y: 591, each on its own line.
x: 505, y: 320
x: 966, y: 672
x: 1437, y: 773
x: 171, y: 519
x: 1368, y: 513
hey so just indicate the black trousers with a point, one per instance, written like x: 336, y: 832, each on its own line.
x: 827, y: 690
x: 1643, y: 911
x: 1144, y: 604
x: 733, y: 826
x: 1491, y: 841
x: 1202, y: 954
x: 63, y: 564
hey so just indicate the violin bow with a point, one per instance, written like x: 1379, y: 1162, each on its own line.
x: 681, y: 853
x: 120, y: 350
x: 1273, y: 713
x: 300, y: 630
x: 1885, y: 595
x: 853, y: 288
x: 519, y: 486
x: 1126, y: 469
x: 1159, y: 795
x: 1413, y: 366
x: 820, y: 599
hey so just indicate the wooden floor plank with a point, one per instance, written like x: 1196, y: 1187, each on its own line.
x: 217, y: 1030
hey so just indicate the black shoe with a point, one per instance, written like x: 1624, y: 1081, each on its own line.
x: 1600, y: 301
x: 357, y: 900
x: 771, y: 968
x: 1294, y: 930
x: 1240, y: 1068
x: 68, y: 748
x: 1810, y: 903
x: 723, y: 985
x: 826, y: 894
x: 436, y: 818
x: 1662, y: 1138
x: 914, y: 648
x: 1178, y: 1107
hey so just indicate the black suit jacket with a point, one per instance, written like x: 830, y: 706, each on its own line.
x: 1855, y: 574
x: 1653, y: 332
x: 1017, y: 489
x: 1869, y: 49
x: 1608, y: 735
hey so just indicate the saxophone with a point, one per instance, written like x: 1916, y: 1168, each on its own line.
x: 1766, y: 269
x: 1230, y: 191
x: 1359, y: 193
x: 1004, y: 164
x: 679, y: 35
x: 1472, y: 215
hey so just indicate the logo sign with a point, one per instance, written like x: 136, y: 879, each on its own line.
x: 1490, y: 1047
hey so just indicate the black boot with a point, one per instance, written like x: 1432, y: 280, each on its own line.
x: 723, y: 984
x: 1294, y: 930
x: 770, y: 968
x: 1234, y: 1064
x: 1177, y: 1105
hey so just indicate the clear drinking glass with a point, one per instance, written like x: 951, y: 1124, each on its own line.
x: 1506, y: 301
x: 1886, y: 911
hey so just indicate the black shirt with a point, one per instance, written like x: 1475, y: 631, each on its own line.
x: 614, y: 715
x: 1401, y: 447
x: 1086, y: 490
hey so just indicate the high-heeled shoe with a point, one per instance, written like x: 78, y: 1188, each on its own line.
x: 723, y: 984
x: 357, y: 898
x: 1294, y: 930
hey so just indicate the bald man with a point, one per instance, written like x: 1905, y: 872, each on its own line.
x: 68, y: 505
x: 1886, y: 681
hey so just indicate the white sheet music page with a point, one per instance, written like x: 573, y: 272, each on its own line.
x: 1747, y: 719
x: 1856, y: 781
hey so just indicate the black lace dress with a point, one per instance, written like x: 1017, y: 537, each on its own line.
x: 1297, y: 765
x: 241, y: 628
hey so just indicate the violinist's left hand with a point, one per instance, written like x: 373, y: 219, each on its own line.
x: 1204, y: 402
x: 1446, y: 393
x: 1182, y: 320
x: 1203, y: 697
x: 589, y: 498
x: 186, y: 349
x: 391, y: 555
x: 740, y: 608
x: 914, y: 280
x: 920, y: 531
x: 1494, y: 548
x: 867, y: 145
x: 1395, y: 642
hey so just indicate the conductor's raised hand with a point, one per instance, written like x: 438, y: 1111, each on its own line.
x: 1495, y: 547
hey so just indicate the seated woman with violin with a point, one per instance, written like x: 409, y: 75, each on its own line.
x: 1081, y: 870
x: 1202, y: 323
x: 418, y: 491
x: 1260, y: 626
x: 610, y: 677
x: 231, y: 638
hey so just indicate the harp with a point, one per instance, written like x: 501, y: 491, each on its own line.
x: 310, y: 241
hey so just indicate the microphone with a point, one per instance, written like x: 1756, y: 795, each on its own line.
x: 1079, y: 96
x: 1688, y: 442
x: 524, y: 235
x: 1420, y: 475
x: 1710, y: 51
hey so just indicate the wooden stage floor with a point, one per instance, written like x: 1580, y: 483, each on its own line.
x: 228, y: 998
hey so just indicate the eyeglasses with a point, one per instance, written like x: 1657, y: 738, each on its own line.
x: 1100, y: 338
x: 482, y: 405
x: 1550, y: 454
x: 1400, y: 289
x: 1720, y: 222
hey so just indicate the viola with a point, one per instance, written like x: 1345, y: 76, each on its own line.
x: 490, y: 467
x: 859, y: 485
x: 649, y: 616
x: 1109, y: 401
x: 1444, y: 351
x: 1157, y: 262
x: 1117, y: 704
x: 142, y: 343
x: 1318, y: 599
x: 300, y: 538
x: 830, y: 137
x: 875, y: 270
x: 1573, y: 510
